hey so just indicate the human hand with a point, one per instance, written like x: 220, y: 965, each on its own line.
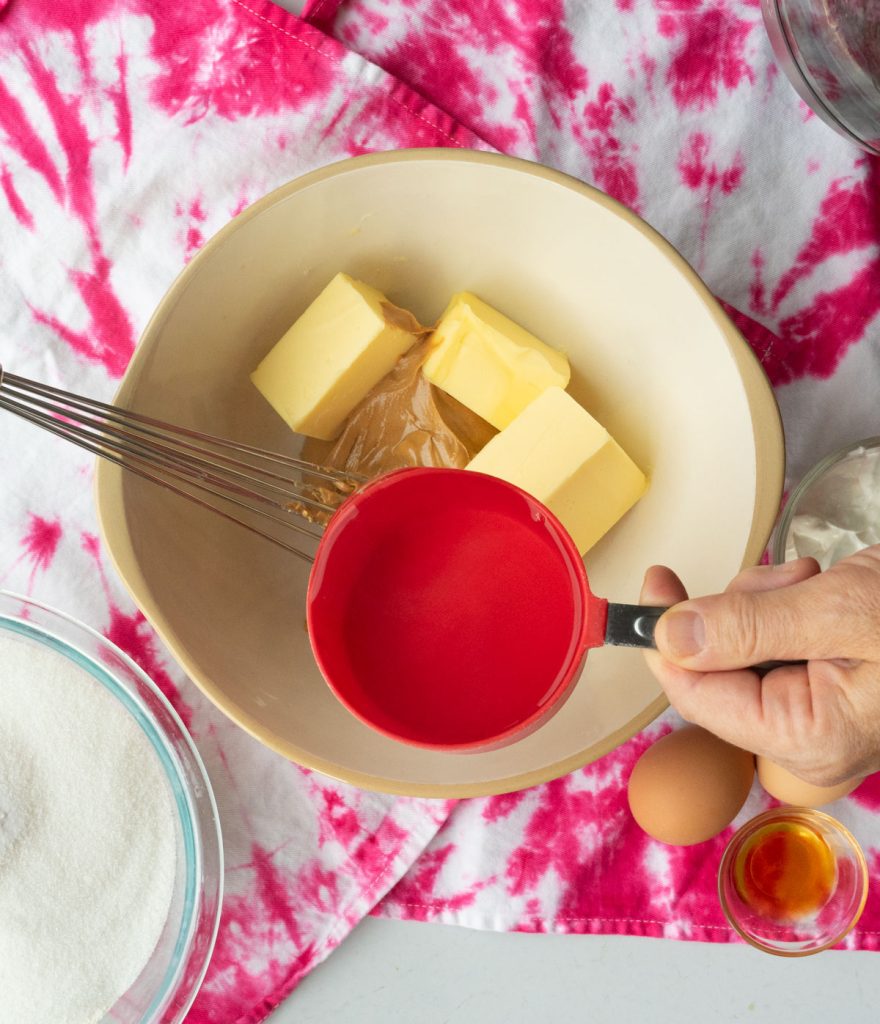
x: 820, y: 720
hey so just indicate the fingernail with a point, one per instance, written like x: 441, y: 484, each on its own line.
x: 685, y: 634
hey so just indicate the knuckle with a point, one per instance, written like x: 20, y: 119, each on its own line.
x: 827, y: 774
x: 682, y: 699
x: 829, y: 760
x: 853, y: 602
x: 740, y: 630
x: 744, y: 579
x: 691, y: 710
x: 788, y: 748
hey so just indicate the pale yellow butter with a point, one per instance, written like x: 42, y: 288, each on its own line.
x: 335, y: 353
x: 489, y: 363
x: 557, y: 452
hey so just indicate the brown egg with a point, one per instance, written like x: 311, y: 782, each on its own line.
x: 689, y: 786
x: 789, y: 789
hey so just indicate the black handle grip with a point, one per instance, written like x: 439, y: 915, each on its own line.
x: 632, y: 625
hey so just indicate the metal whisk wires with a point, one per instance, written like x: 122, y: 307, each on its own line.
x: 255, y: 488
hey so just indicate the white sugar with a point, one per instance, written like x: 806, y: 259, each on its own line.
x: 87, y: 841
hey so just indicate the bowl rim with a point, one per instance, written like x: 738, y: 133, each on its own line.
x: 162, y: 999
x: 767, y: 434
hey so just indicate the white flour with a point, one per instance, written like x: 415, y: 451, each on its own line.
x: 840, y: 513
x: 87, y: 842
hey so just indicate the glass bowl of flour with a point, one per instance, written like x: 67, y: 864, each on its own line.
x: 835, y: 510
x: 110, y: 850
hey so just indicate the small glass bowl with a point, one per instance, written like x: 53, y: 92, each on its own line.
x: 166, y: 987
x: 810, y: 497
x: 829, y: 923
x: 830, y: 51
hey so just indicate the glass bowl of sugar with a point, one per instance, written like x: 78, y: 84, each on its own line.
x: 111, y: 861
x: 835, y: 510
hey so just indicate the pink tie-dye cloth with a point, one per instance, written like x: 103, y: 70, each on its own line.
x: 131, y: 130
x: 678, y: 109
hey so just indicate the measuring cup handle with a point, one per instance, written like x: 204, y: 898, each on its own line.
x: 631, y: 625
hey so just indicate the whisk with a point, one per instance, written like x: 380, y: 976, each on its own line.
x: 255, y: 488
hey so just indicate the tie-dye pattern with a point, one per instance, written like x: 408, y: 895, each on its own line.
x: 676, y: 108
x: 130, y: 131
x: 568, y: 857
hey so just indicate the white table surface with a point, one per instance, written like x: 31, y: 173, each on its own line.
x: 389, y: 972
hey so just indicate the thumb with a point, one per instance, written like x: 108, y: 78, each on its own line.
x: 807, y: 620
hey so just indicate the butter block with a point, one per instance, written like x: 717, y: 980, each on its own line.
x: 557, y: 452
x: 347, y: 340
x: 489, y: 363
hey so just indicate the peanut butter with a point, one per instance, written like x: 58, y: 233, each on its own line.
x: 403, y: 421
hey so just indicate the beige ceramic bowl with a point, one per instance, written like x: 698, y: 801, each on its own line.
x: 653, y: 358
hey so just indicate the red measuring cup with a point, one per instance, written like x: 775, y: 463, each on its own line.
x: 451, y: 610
